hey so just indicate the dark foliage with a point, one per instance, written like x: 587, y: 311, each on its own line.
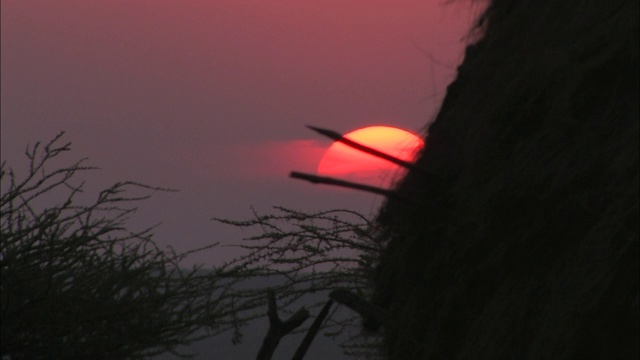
x: 295, y: 254
x: 76, y: 284
x: 525, y: 244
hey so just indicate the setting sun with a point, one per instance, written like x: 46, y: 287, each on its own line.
x: 345, y: 162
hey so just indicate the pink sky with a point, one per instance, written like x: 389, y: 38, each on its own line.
x: 211, y: 97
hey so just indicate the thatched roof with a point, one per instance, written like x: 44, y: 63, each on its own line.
x: 525, y: 245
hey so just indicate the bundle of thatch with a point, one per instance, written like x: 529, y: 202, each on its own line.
x: 525, y: 242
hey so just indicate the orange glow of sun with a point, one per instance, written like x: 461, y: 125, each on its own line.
x: 346, y: 163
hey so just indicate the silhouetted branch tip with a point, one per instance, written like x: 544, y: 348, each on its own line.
x: 315, y: 179
x: 356, y: 303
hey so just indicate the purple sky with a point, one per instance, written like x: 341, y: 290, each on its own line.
x: 211, y: 97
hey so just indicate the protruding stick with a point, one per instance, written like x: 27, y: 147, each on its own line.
x: 312, y: 332
x: 356, y: 145
x: 347, y: 184
x: 361, y: 306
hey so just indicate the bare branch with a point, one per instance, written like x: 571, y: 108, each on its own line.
x: 76, y: 283
x: 312, y: 332
x: 278, y: 328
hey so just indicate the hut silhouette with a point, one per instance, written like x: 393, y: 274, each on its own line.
x: 524, y: 242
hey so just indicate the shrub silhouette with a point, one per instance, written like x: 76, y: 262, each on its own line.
x: 77, y: 284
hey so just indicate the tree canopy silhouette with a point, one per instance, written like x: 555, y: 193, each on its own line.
x: 76, y: 283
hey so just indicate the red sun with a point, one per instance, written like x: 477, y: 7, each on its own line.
x: 344, y: 162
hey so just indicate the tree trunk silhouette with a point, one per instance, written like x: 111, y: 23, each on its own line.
x: 278, y: 328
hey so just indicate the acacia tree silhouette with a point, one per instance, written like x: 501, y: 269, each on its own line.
x: 77, y: 284
x: 294, y: 254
